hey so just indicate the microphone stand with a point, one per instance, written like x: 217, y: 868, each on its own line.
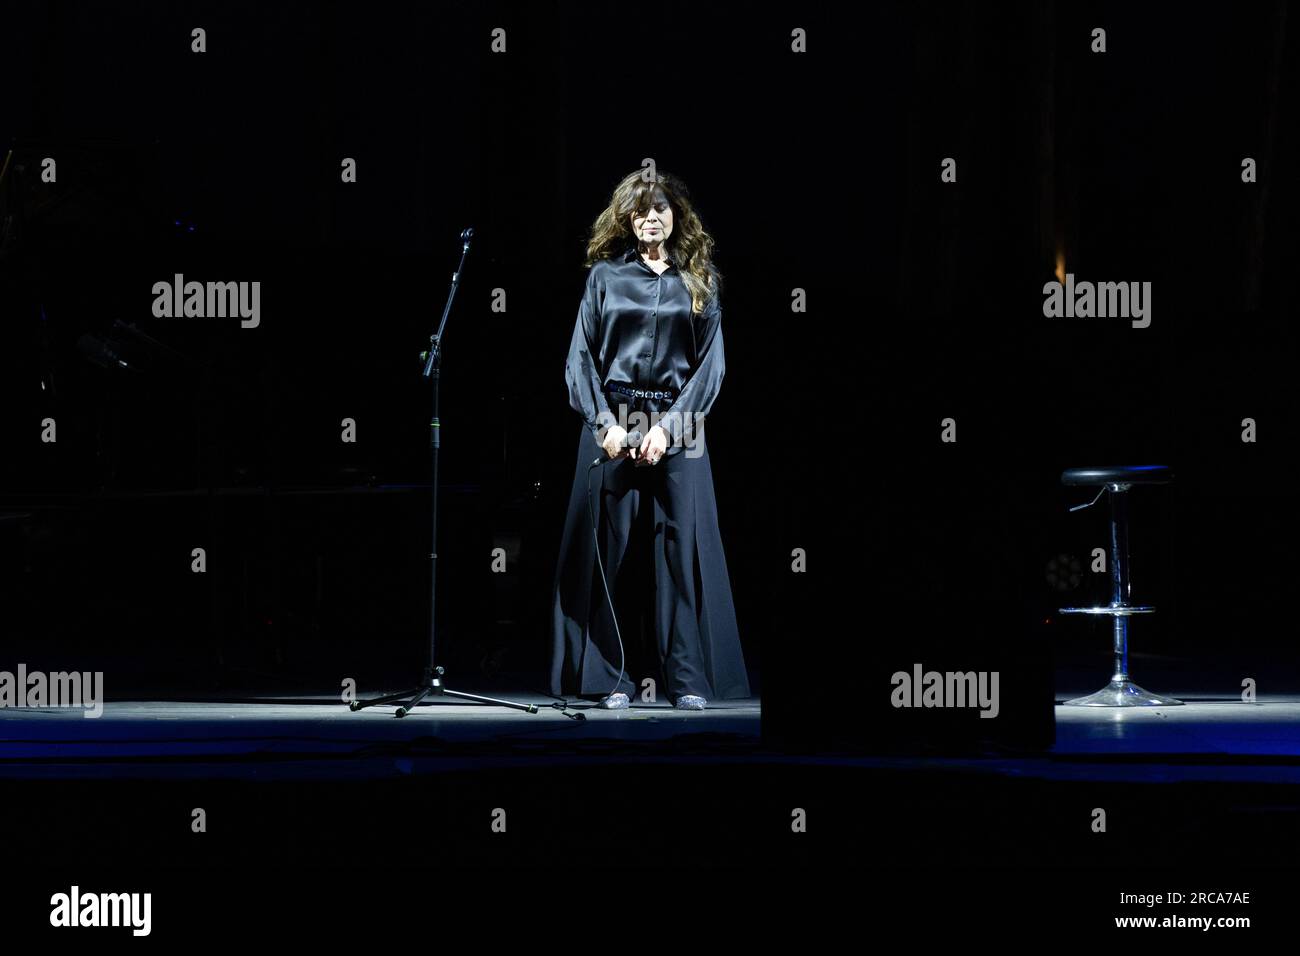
x: 431, y: 682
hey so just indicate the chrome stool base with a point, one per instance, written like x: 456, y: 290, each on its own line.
x: 1123, y: 693
x: 1120, y: 692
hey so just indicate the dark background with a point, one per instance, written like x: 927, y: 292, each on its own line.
x: 818, y: 172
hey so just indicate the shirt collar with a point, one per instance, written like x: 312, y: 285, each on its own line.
x: 634, y: 253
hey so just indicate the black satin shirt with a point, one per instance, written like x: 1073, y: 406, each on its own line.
x: 637, y: 328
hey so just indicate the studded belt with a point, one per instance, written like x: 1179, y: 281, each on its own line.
x: 640, y: 392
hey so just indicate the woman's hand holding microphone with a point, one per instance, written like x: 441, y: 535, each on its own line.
x: 615, y: 443
x: 653, y: 447
x: 650, y: 450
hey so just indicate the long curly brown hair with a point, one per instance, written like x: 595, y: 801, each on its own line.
x: 689, y: 245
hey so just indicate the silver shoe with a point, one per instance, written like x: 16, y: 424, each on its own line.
x: 617, y: 701
x: 690, y: 702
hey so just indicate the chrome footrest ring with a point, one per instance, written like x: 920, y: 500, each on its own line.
x: 1120, y: 610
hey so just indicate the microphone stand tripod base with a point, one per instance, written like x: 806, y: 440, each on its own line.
x: 433, y: 685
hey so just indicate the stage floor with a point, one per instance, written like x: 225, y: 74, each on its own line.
x: 186, y: 738
x: 1208, y: 738
x: 1269, y: 726
x: 307, y: 776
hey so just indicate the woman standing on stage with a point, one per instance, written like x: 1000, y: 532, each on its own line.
x: 646, y: 355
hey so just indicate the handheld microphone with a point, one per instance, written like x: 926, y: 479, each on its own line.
x: 631, y: 440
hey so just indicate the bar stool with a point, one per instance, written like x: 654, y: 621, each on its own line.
x: 1120, y: 692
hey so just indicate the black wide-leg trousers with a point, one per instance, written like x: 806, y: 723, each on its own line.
x: 657, y: 529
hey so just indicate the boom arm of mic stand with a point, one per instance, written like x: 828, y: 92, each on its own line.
x: 435, y: 340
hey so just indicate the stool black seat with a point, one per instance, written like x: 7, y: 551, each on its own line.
x: 1119, y: 474
x: 1116, y: 480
